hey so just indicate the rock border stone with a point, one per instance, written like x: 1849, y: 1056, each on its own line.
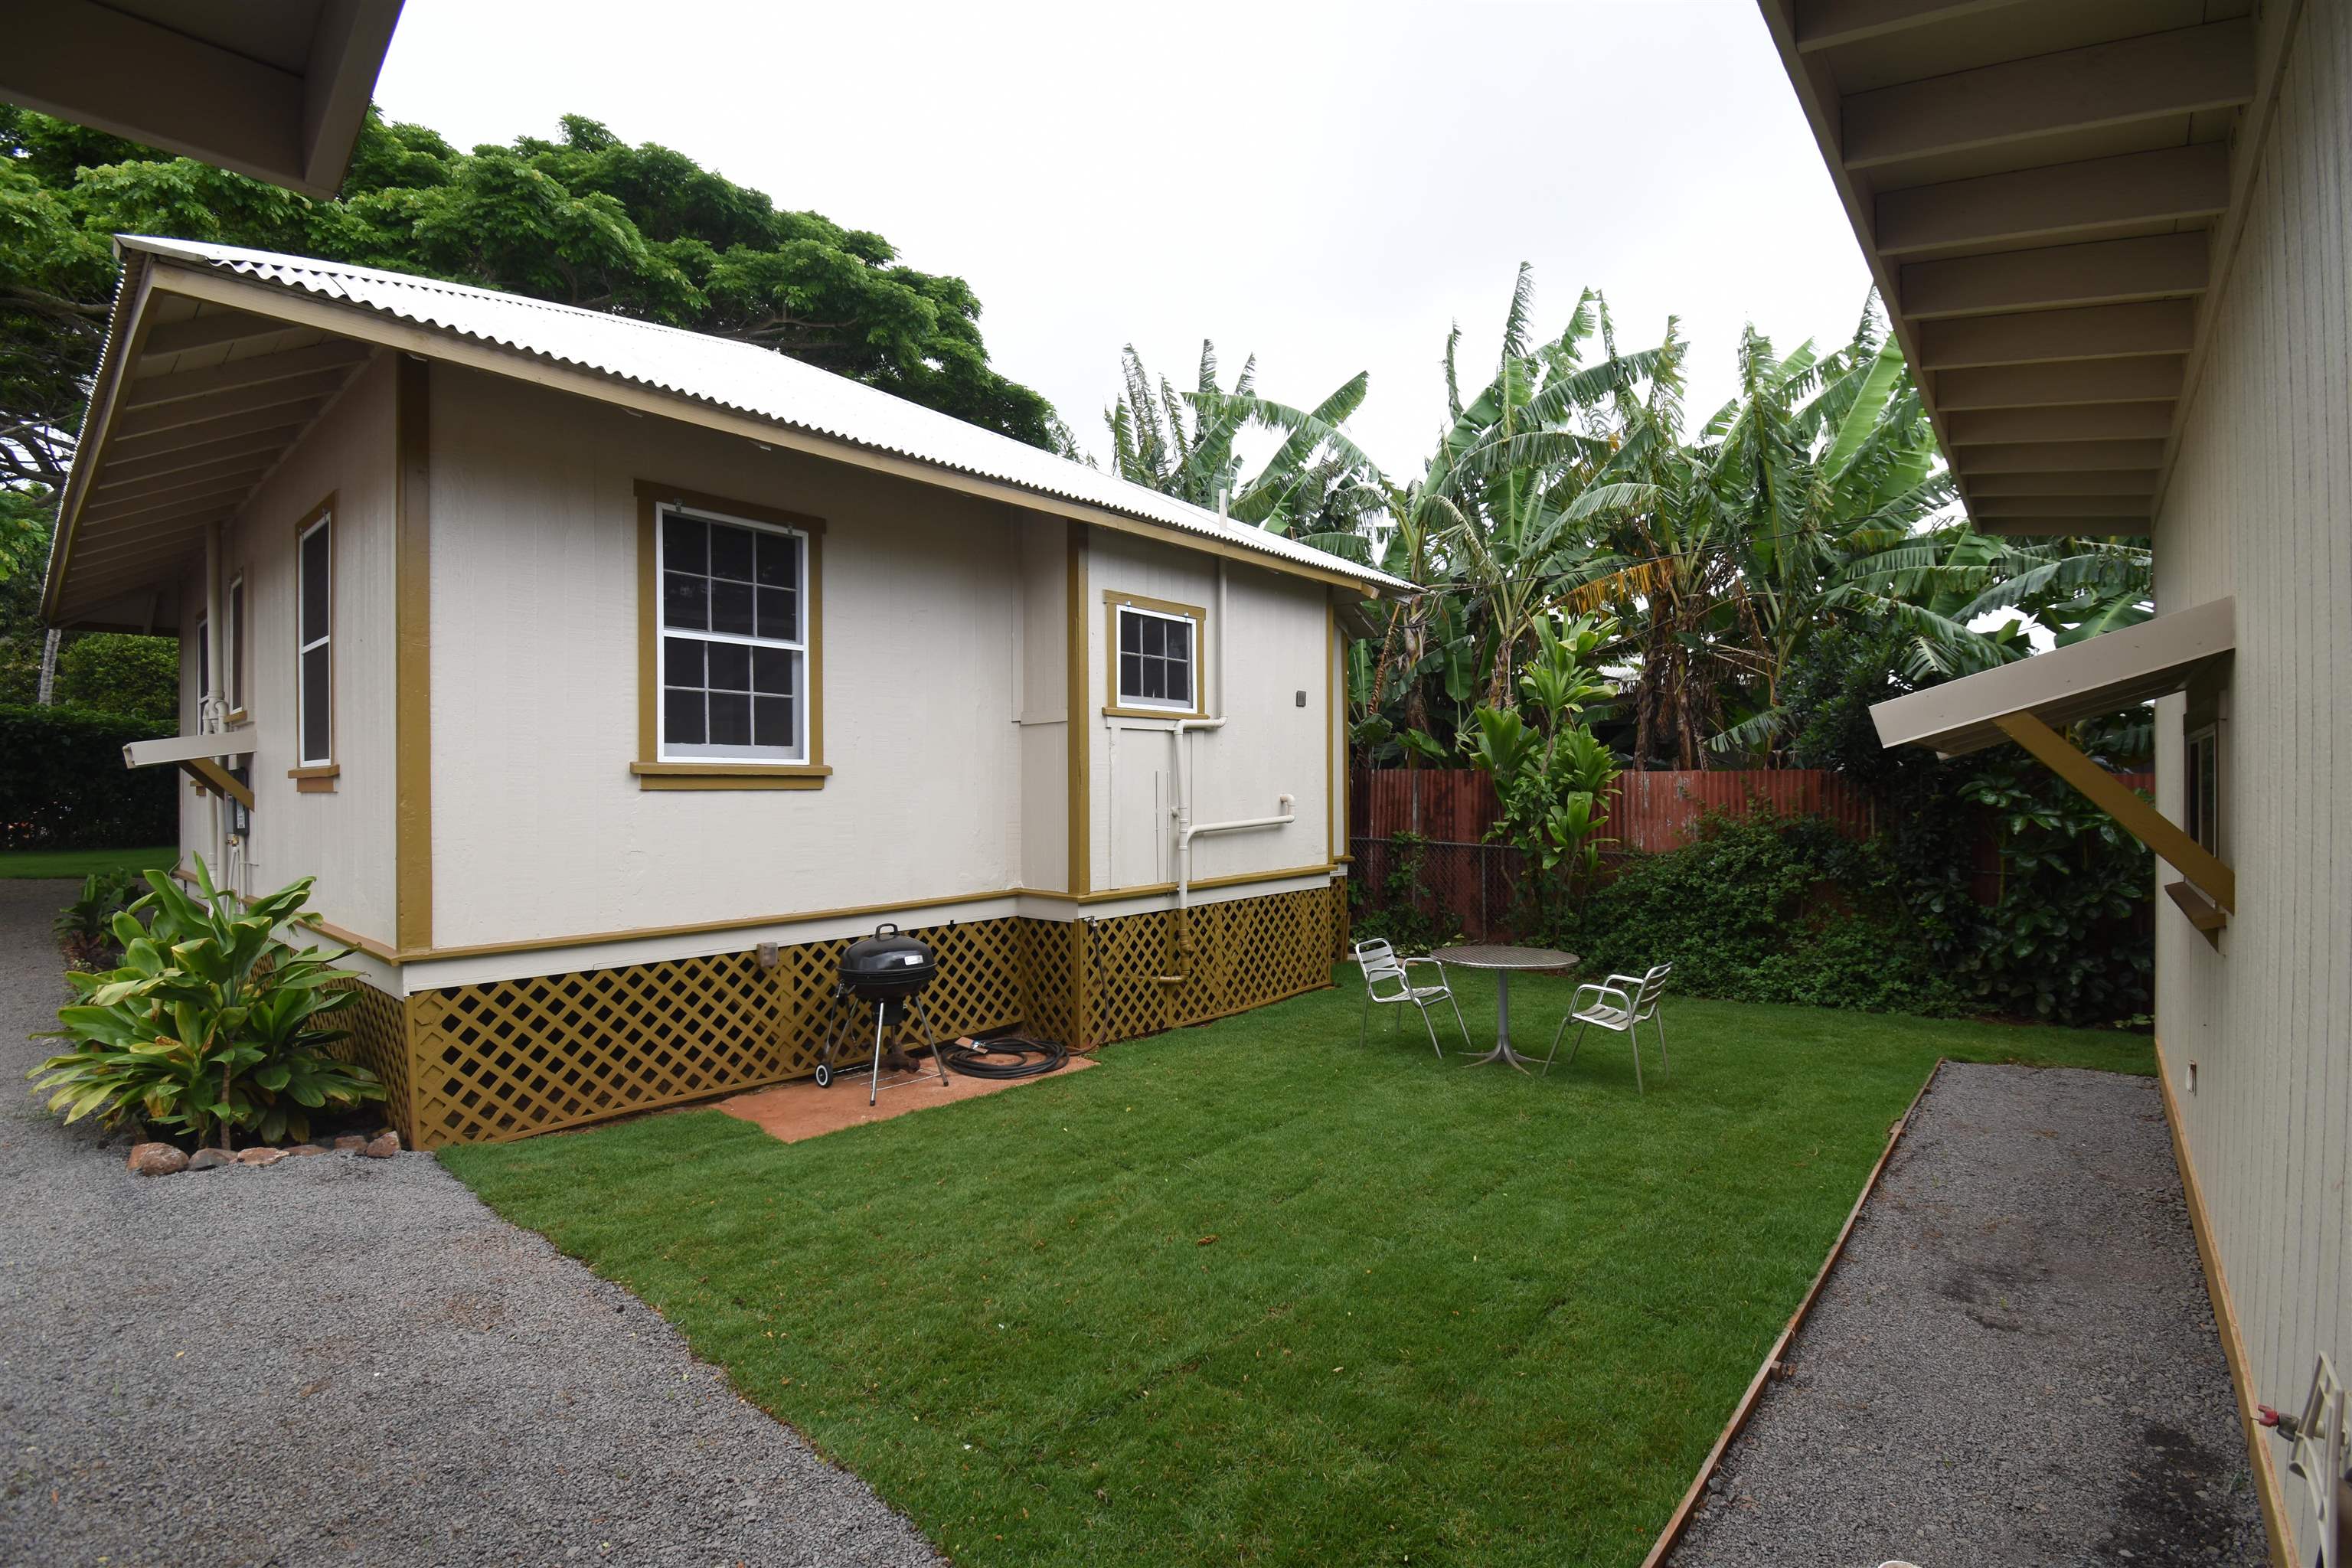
x: 150, y: 1158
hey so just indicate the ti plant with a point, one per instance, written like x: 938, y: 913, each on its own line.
x: 213, y: 1025
x: 1551, y: 776
x: 85, y: 928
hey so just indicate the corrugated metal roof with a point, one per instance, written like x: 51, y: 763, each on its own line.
x: 738, y: 376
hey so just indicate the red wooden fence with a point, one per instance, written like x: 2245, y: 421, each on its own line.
x: 1471, y: 879
x: 1648, y: 811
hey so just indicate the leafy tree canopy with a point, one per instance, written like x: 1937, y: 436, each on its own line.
x: 585, y: 219
x: 122, y: 672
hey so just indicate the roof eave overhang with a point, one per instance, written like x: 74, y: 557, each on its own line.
x: 127, y: 320
x: 160, y: 84
x: 2089, y: 680
x: 2058, y: 313
x: 149, y: 273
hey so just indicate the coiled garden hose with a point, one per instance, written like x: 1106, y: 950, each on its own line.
x: 1006, y: 1055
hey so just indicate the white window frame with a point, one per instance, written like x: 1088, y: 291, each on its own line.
x: 1121, y: 696
x: 233, y: 606
x: 2202, y: 805
x: 752, y: 756
x: 204, y: 664
x: 302, y: 650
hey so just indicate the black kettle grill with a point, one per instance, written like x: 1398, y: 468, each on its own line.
x: 888, y: 972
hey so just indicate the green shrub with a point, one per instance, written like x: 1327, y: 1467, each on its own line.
x: 122, y: 672
x: 212, y: 1026
x: 2067, y: 938
x: 1399, y: 911
x: 1768, y: 909
x: 85, y: 928
x: 63, y: 784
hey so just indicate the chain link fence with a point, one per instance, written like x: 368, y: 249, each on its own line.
x: 1430, y: 891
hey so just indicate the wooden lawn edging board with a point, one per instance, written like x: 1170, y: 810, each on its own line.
x: 1680, y: 1520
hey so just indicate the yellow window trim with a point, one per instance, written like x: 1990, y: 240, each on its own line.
x: 650, y: 772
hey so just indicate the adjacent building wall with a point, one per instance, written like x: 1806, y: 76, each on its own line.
x: 345, y: 838
x: 2260, y: 505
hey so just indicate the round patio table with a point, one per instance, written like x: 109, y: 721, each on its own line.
x: 1503, y: 961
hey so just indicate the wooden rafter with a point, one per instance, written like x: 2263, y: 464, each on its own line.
x: 2070, y: 421
x: 2140, y: 377
x: 2058, y: 457
x: 1826, y: 24
x: 149, y: 391
x: 194, y: 414
x: 2056, y: 201
x: 2040, y: 337
x: 2101, y: 272
x: 210, y: 331
x: 2110, y: 482
x: 2157, y: 74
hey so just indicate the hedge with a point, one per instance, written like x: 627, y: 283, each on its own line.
x: 63, y: 784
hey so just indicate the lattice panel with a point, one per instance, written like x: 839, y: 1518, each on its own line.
x: 979, y: 988
x: 508, y: 1058
x: 378, y: 1022
x: 511, y: 1058
x: 1243, y: 953
x: 1256, y: 951
x: 1124, y: 1001
x: 1048, y: 954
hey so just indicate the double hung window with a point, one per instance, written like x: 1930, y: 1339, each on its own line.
x: 733, y: 638
x: 314, y: 638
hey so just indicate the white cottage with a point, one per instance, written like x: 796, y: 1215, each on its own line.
x: 610, y: 677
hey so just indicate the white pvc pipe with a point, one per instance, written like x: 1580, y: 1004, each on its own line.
x: 210, y: 711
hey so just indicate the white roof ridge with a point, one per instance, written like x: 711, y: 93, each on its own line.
x: 743, y: 377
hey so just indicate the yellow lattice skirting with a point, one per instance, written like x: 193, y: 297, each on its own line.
x: 473, y: 1064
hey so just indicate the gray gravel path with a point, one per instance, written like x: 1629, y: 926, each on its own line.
x: 340, y: 1360
x: 2015, y: 1362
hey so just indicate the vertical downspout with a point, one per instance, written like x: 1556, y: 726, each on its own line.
x: 210, y: 707
x: 1180, y: 810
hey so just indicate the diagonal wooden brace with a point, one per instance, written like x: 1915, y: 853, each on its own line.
x: 2206, y: 873
x: 209, y: 774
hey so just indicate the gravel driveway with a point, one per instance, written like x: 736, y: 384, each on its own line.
x: 342, y: 1360
x: 2014, y: 1363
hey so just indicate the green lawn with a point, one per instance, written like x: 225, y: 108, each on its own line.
x: 1249, y: 1293
x: 79, y: 863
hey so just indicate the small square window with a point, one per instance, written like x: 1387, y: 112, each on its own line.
x: 1156, y: 652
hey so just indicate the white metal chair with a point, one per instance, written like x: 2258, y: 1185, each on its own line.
x: 1380, y: 963
x: 1624, y: 1003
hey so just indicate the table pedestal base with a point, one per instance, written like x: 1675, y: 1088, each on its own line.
x: 1502, y: 1051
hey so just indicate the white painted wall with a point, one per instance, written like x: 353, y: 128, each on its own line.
x: 538, y: 828
x: 1274, y: 647
x: 1042, y: 708
x: 344, y: 838
x: 2260, y: 505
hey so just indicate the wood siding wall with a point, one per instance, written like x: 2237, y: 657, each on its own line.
x: 2260, y: 504
x: 345, y: 838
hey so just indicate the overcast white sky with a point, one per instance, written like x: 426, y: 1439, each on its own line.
x: 1325, y: 186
